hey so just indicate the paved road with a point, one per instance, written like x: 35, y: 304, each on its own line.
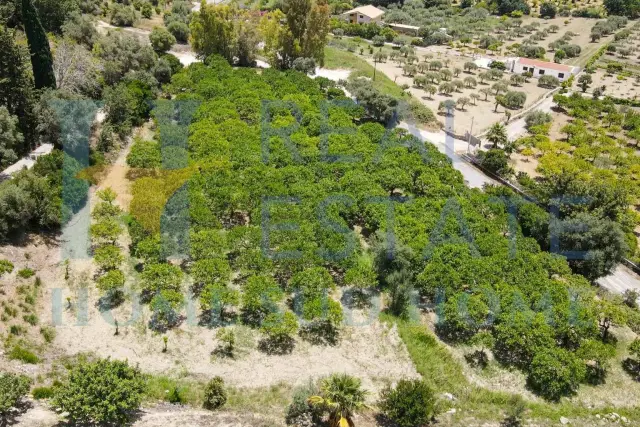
x: 517, y: 128
x: 473, y: 177
x: 620, y: 280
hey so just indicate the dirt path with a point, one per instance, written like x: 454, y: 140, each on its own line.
x: 117, y: 180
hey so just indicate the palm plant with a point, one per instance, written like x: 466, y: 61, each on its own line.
x: 497, y: 134
x: 341, y: 395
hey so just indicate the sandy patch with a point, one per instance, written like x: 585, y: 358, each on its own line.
x: 335, y: 75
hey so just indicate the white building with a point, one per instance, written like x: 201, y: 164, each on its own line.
x: 411, y: 30
x: 363, y: 15
x: 541, y: 68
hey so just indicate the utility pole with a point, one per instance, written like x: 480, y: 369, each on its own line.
x: 470, y: 134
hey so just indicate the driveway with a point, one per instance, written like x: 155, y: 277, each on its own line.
x: 517, y: 128
x: 446, y: 144
x: 620, y: 280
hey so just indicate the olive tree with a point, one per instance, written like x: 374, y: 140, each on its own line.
x: 161, y: 39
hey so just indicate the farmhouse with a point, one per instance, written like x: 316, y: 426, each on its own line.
x: 363, y: 15
x: 540, y: 68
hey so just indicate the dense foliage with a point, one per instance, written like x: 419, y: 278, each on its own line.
x: 264, y: 164
x: 100, y: 392
x: 12, y: 389
x: 411, y: 403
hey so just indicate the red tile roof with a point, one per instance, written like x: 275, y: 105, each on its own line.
x: 544, y: 64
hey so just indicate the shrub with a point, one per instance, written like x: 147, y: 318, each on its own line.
x: 108, y: 257
x: 5, y: 267
x: 548, y: 81
x: 410, y: 404
x: 122, y: 16
x: 631, y: 298
x: 555, y: 372
x: 26, y: 273
x: 144, y: 154
x: 83, y: 396
x: 496, y: 161
x: 20, y: 353
x: 537, y: 118
x: 31, y: 319
x: 215, y: 396
x: 300, y: 412
x: 548, y: 10
x: 180, y: 31
x: 48, y: 333
x: 12, y: 389
x: 42, y: 393
x: 161, y: 39
x: 279, y: 330
x: 147, y: 10
x: 378, y: 41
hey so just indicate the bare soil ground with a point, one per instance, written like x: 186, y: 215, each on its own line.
x: 626, y: 89
x: 483, y: 114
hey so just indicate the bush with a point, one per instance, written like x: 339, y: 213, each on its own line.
x: 555, y: 373
x: 378, y: 41
x: 42, y: 393
x: 83, y: 396
x: 537, y: 118
x: 22, y: 354
x: 300, y: 412
x: 26, y: 273
x: 496, y: 161
x: 161, y: 39
x: 12, y: 389
x: 122, y: 16
x: 147, y: 10
x: 548, y: 10
x: 5, y: 267
x: 410, y: 404
x: 548, y: 82
x: 215, y: 396
x: 631, y: 298
x: 145, y: 155
x: 180, y: 31
x: 279, y: 330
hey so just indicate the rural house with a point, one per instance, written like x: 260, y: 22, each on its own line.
x: 541, y: 68
x: 363, y: 15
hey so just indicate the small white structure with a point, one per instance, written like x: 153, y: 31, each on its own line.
x: 411, y: 30
x: 541, y: 68
x: 363, y: 15
x: 483, y: 62
x: 26, y: 162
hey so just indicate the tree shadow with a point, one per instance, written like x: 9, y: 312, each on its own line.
x: 632, y: 367
x: 277, y: 345
x: 11, y: 417
x: 110, y: 301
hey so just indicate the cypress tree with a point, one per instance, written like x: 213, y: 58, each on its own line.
x: 16, y: 87
x: 41, y: 59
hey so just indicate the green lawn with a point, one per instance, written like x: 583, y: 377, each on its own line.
x: 341, y: 59
x: 337, y: 58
